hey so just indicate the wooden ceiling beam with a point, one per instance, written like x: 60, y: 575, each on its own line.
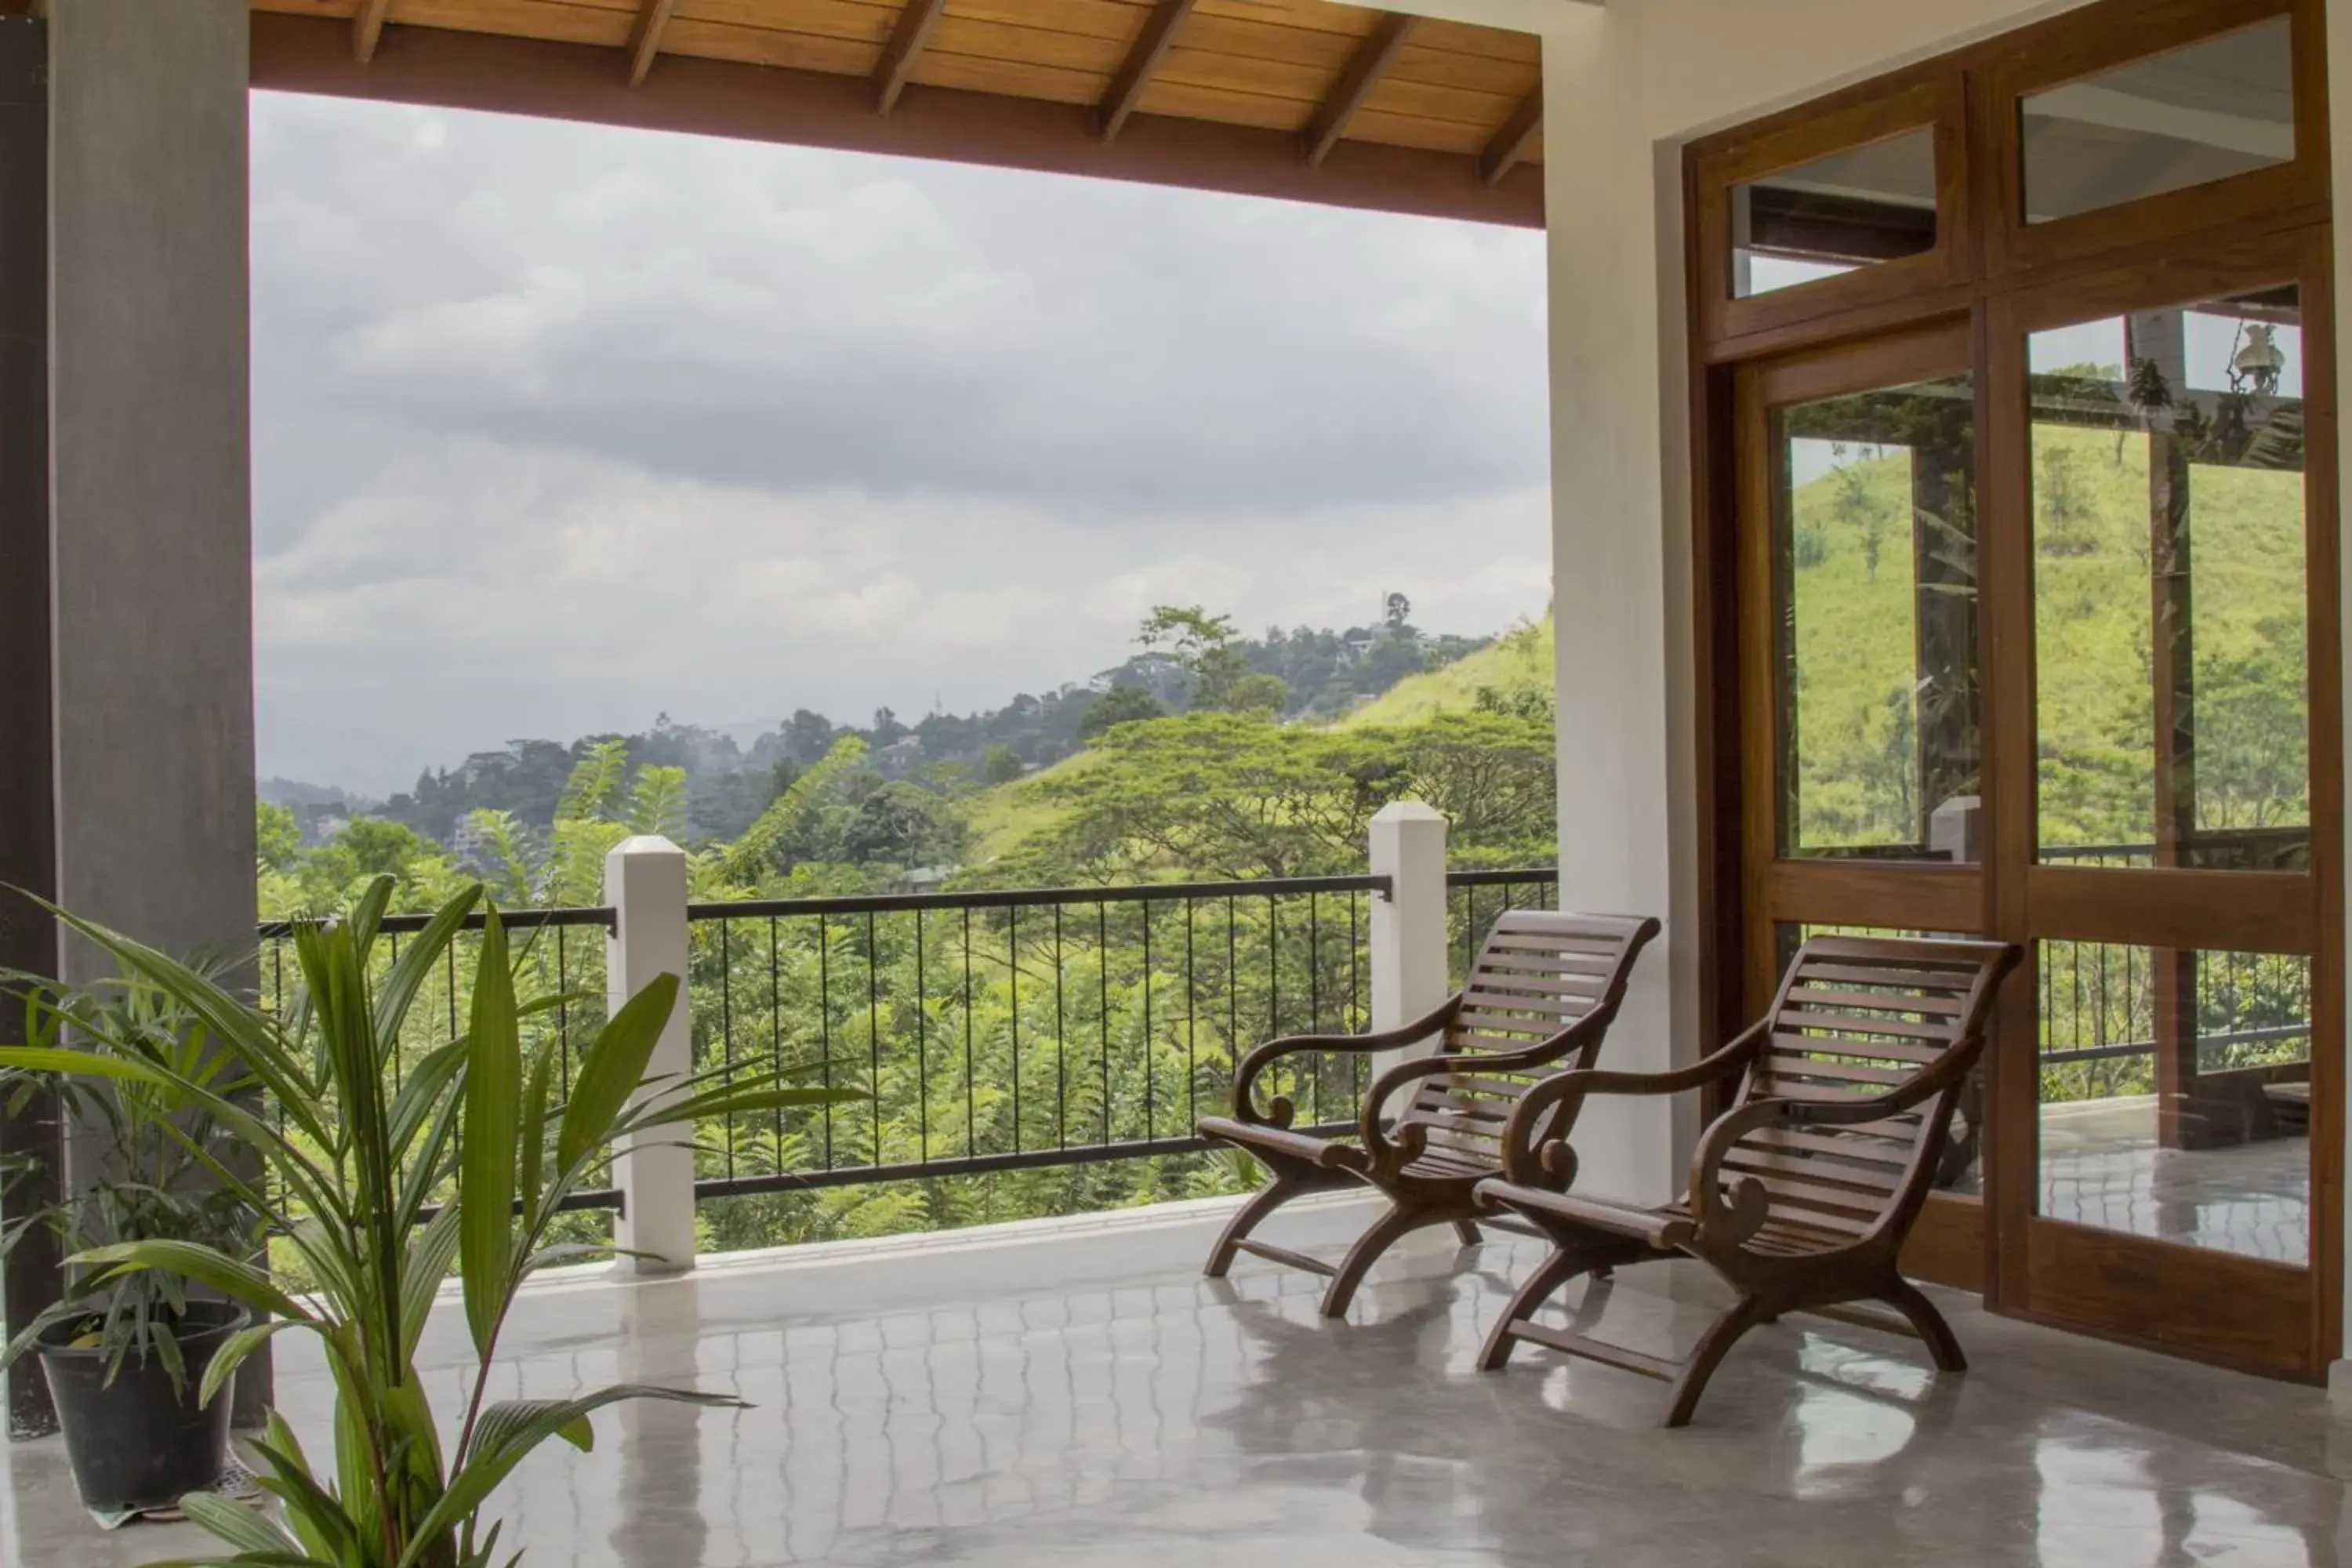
x: 367, y: 28
x: 1135, y: 72
x: 645, y: 39
x: 1510, y: 144
x: 906, y: 41
x: 694, y: 96
x: 1372, y: 57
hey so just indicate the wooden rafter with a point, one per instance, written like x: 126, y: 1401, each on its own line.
x: 1511, y: 143
x: 897, y: 67
x: 645, y: 39
x: 1135, y: 72
x: 1373, y: 55
x: 367, y: 28
x: 447, y: 69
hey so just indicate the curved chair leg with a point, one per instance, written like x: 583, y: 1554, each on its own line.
x: 1467, y: 1233
x: 1706, y: 1355
x: 1378, y: 1239
x: 1555, y: 1271
x: 1247, y: 1218
x: 1942, y: 1344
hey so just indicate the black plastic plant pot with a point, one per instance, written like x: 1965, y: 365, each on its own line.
x: 138, y: 1443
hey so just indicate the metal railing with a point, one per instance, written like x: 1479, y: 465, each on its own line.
x: 1018, y: 1031
x: 561, y: 953
x: 1473, y: 900
x: 1024, y: 1031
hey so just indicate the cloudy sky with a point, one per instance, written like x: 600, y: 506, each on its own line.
x: 558, y: 427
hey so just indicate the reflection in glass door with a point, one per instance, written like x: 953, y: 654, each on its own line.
x: 1873, y: 568
x: 1862, y: 761
x: 2172, y: 733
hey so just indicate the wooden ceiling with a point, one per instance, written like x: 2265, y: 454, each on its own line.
x: 1299, y: 99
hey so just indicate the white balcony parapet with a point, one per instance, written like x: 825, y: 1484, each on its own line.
x: 1408, y: 927
x: 644, y: 882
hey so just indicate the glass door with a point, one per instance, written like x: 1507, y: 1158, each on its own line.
x: 2157, y: 535
x: 1860, y: 704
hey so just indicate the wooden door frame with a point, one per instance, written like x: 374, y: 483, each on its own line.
x: 2179, y: 235
x: 2240, y: 1311
x: 1947, y: 1246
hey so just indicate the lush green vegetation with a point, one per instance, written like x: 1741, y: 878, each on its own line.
x: 2111, y: 594
x: 1005, y: 1031
x: 383, y: 1171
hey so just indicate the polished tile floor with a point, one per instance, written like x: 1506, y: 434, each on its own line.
x: 2101, y: 1165
x: 1086, y: 1399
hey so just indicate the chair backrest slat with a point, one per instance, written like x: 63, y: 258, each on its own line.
x: 1539, y: 974
x: 1855, y: 1018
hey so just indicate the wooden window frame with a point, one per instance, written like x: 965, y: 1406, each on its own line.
x: 2276, y: 912
x: 2178, y: 247
x: 2063, y: 51
x: 1936, y: 104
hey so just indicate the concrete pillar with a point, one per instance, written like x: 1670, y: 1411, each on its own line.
x: 150, y: 461
x: 27, y: 826
x: 644, y: 881
x: 150, y: 568
x: 1622, y: 570
x: 1408, y: 927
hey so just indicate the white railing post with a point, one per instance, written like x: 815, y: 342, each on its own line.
x: 644, y: 881
x: 1408, y: 927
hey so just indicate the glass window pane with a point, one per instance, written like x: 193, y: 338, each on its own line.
x: 1874, y: 518
x: 2176, y: 1095
x: 1874, y: 203
x: 2169, y: 592
x: 2205, y: 111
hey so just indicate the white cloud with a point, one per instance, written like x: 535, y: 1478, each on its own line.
x: 559, y: 426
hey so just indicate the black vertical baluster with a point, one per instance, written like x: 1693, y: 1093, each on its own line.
x: 1102, y: 1005
x: 970, y: 1093
x: 726, y: 933
x: 563, y: 1015
x: 1315, y: 1001
x: 1151, y: 1120
x: 1274, y: 980
x: 776, y: 1036
x: 449, y: 955
x: 1013, y: 967
x: 1469, y: 928
x: 922, y: 1051
x: 1234, y: 1047
x: 1355, y: 998
x: 1191, y: 1018
x: 825, y: 1022
x: 2102, y: 990
x: 874, y: 1037
x: 1061, y: 1045
x: 2048, y: 981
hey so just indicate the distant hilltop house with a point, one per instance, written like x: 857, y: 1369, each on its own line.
x: 470, y: 844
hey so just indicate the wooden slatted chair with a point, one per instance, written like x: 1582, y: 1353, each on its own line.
x: 1540, y: 998
x: 1801, y: 1194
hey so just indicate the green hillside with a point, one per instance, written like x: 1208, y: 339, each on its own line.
x: 1858, y: 697
x: 1519, y: 660
x: 1000, y: 817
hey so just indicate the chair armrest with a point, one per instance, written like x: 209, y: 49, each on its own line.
x: 1538, y: 1162
x: 1733, y: 1222
x: 1663, y: 1232
x: 1279, y: 1111
x: 1579, y: 1040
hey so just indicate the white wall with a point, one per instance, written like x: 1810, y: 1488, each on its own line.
x: 1625, y: 87
x: 1627, y: 83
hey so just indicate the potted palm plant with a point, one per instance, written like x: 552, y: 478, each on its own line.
x: 384, y: 1169
x: 124, y: 1355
